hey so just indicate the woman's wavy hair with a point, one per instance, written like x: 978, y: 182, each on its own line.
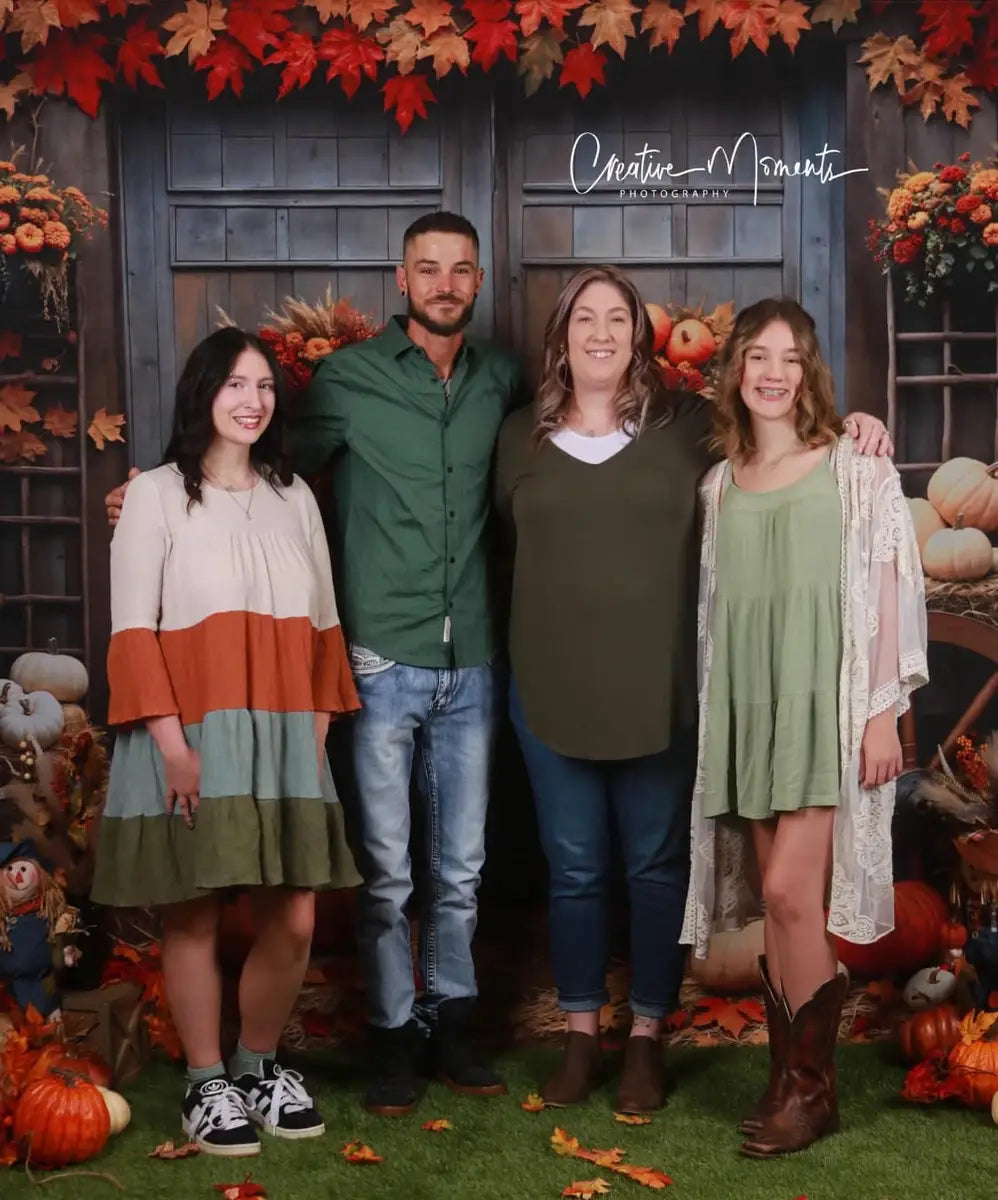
x: 203, y: 377
x: 816, y: 419
x: 642, y: 398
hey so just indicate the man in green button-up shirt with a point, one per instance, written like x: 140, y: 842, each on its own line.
x: 410, y: 419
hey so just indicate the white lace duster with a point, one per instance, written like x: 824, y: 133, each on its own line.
x: 883, y: 661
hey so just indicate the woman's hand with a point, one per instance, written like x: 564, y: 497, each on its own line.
x: 880, y: 752
x: 183, y: 782
x: 870, y: 434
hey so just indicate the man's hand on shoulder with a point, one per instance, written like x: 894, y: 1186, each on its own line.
x: 116, y: 498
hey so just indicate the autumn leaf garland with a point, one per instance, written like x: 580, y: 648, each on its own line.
x: 76, y: 47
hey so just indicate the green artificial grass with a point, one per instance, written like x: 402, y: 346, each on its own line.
x: 887, y: 1150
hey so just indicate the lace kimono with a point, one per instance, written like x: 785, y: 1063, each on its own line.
x: 883, y: 661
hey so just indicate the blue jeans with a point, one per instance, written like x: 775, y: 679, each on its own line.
x: 452, y: 716
x: 650, y: 799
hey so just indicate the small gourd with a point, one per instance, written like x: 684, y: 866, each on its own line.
x: 9, y: 691
x: 62, y: 675
x: 929, y: 987
x: 35, y: 718
x: 967, y: 487
x: 118, y: 1109
x: 958, y: 553
x: 926, y: 521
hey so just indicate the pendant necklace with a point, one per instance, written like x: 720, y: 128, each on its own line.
x: 239, y: 504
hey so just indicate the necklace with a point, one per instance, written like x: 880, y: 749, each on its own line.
x: 239, y: 504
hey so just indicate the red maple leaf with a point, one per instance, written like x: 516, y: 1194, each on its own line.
x: 72, y: 64
x: 135, y: 55
x: 409, y: 96
x: 258, y: 24
x: 583, y: 66
x: 982, y: 70
x: 350, y: 54
x: 488, y: 10
x: 492, y: 39
x: 533, y: 13
x: 730, y: 1015
x: 298, y: 53
x: 947, y: 23
x: 225, y: 61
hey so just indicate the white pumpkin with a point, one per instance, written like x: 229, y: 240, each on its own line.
x: 929, y: 987
x: 9, y: 691
x: 117, y: 1109
x: 49, y: 671
x: 732, y: 962
x: 35, y: 718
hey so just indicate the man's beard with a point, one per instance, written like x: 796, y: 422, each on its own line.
x: 440, y: 328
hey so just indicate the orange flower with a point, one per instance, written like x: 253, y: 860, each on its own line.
x: 38, y: 216
x: 918, y: 220
x: 4, y: 220
x: 8, y: 243
x: 42, y: 195
x: 295, y: 339
x: 967, y: 204
x: 56, y: 235
x: 990, y: 234
x: 918, y: 181
x: 29, y: 238
x: 899, y: 204
x: 9, y: 195
x: 981, y: 214
x: 6, y: 166
x: 987, y: 182
x: 42, y: 179
x: 22, y: 178
x: 316, y: 348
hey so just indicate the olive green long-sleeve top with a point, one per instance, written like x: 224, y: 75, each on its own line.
x: 603, y: 617
x: 411, y: 459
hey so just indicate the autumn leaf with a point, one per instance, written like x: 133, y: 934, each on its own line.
x: 10, y: 344
x: 34, y: 20
x: 488, y: 10
x: 359, y: 1154
x: 957, y: 101
x: 729, y: 1015
x: 437, y: 1126
x: 10, y: 91
x: 105, y: 427
x: 631, y: 1119
x: 612, y: 22
x: 16, y: 407
x: 241, y: 1191
x: 120, y: 8
x: 722, y: 319
x: 363, y: 12
x: 409, y: 96
x: 836, y: 11
x: 710, y: 12
x: 665, y: 22
x: 350, y: 54
x: 195, y: 28
x: 225, y: 63
x: 562, y: 1144
x: 583, y: 66
x: 60, y: 422
x: 533, y: 1103
x: 789, y: 21
x: 327, y: 9
x: 135, y: 55
x: 430, y: 15
x: 299, y: 55
x: 25, y: 444
x: 491, y: 40
x: 448, y: 50
x: 649, y: 1177
x: 947, y: 23
x: 169, y: 1150
x: 890, y: 58
x: 402, y: 44
x: 541, y: 53
x: 533, y: 13
x: 73, y: 64
x: 258, y: 25
x: 73, y: 13
x: 585, y: 1189
x: 749, y: 21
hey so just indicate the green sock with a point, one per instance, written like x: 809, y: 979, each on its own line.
x: 200, y: 1074
x: 249, y: 1062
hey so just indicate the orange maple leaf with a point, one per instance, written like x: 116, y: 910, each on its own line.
x: 10, y: 91
x: 10, y: 345
x: 402, y: 44
x: 612, y: 22
x: 631, y: 1119
x: 533, y: 1103
x: 363, y: 12
x: 533, y: 13
x: 73, y: 13
x: 241, y: 1191
x: 836, y: 11
x: 711, y: 12
x: 729, y: 1015
x: 430, y: 15
x: 33, y: 20
x: 105, y: 427
x: 23, y: 444
x: 790, y: 20
x: 437, y: 1126
x: 16, y: 407
x: 957, y: 101
x: 448, y: 50
x: 541, y: 53
x: 562, y: 1144
x: 169, y: 1150
x: 194, y: 29
x: 60, y: 422
x: 327, y: 9
x: 585, y: 1189
x: 890, y: 58
x: 649, y: 1177
x: 360, y: 1154
x: 583, y: 66
x: 749, y: 21
x: 665, y: 22
x: 409, y: 96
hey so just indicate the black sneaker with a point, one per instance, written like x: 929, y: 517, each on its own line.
x: 394, y: 1059
x: 279, y: 1104
x: 215, y: 1118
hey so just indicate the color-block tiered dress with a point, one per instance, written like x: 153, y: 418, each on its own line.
x: 224, y: 614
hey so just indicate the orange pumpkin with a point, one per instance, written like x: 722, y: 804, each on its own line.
x: 954, y: 935
x: 691, y: 341
x: 925, y: 1032
x: 973, y: 1061
x: 661, y: 326
x: 919, y: 913
x: 968, y: 487
x: 63, y: 1119
x: 67, y: 1057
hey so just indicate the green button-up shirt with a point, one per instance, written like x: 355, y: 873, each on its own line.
x: 411, y: 458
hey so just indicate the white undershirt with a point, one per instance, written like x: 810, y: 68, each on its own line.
x: 592, y: 450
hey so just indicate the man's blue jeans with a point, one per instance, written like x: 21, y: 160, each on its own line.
x: 650, y: 799
x: 451, y: 716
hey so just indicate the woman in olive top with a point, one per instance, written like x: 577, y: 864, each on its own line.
x: 597, y: 483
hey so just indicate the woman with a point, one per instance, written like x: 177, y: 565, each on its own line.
x: 597, y: 484
x: 225, y: 665
x: 813, y: 636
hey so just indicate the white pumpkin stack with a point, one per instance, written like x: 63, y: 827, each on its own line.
x: 953, y: 524
x: 39, y: 700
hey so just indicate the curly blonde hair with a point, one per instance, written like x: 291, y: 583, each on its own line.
x: 815, y: 416
x: 641, y: 399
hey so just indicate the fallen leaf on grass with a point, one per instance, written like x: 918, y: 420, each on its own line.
x: 169, y: 1150
x: 585, y: 1189
x: 438, y: 1126
x: 651, y: 1177
x: 357, y: 1152
x: 533, y: 1103
x: 241, y: 1191
x: 631, y: 1119
x: 564, y: 1145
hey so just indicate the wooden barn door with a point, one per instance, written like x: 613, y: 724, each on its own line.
x: 231, y: 207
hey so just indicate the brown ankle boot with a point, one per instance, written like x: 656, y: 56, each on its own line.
x: 778, y: 1028
x: 578, y: 1073
x: 642, y: 1084
x: 809, y: 1104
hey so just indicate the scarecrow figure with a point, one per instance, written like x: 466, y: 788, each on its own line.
x: 34, y: 917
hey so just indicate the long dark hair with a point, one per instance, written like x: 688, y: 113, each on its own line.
x: 203, y: 377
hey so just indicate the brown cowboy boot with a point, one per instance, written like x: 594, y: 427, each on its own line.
x: 579, y: 1071
x: 809, y: 1107
x: 642, y: 1083
x: 778, y: 1028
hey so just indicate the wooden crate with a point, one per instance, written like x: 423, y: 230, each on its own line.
x: 109, y: 1021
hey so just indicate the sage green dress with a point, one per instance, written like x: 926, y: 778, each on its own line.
x: 772, y: 740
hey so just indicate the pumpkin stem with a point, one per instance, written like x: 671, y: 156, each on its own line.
x: 958, y: 523
x: 53, y: 646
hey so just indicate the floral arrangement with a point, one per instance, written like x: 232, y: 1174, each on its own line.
x: 687, y: 344
x: 42, y: 227
x: 939, y: 224
x: 301, y: 334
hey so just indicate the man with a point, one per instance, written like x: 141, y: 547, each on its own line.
x: 409, y: 419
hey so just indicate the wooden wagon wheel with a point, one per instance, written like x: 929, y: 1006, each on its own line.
x: 979, y: 637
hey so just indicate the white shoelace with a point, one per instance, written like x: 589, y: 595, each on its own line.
x: 223, y: 1110
x: 286, y: 1093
